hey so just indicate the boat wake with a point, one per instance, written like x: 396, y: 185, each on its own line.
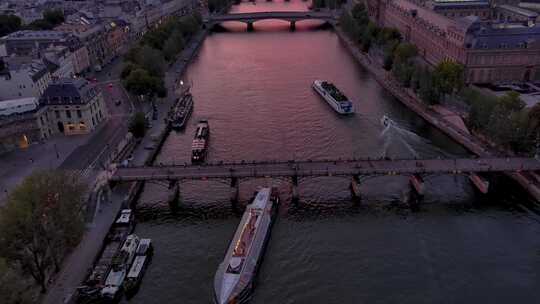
x: 395, y: 135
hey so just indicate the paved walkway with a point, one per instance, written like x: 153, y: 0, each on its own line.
x: 16, y: 165
x: 76, y: 266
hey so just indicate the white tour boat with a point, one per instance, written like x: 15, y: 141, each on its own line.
x: 333, y: 96
x: 234, y: 278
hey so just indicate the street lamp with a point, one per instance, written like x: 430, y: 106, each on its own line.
x: 56, y: 150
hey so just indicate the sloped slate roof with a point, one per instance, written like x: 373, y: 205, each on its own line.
x: 68, y: 92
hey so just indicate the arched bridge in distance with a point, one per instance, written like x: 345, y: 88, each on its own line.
x: 355, y: 169
x: 250, y: 18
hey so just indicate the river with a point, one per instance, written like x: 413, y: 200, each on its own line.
x: 254, y: 88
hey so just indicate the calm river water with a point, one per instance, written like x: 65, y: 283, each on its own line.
x: 254, y: 88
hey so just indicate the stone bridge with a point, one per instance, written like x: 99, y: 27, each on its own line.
x: 250, y: 18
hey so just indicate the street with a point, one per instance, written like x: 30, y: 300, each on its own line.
x: 96, y: 151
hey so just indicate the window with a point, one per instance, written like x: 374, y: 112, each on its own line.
x: 79, y: 114
x: 68, y: 113
x: 57, y: 113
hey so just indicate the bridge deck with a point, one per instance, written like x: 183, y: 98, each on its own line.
x: 326, y: 168
x: 271, y: 15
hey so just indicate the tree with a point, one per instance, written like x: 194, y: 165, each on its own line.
x: 39, y: 25
x: 404, y: 52
x: 534, y: 118
x: 188, y: 25
x: 54, y: 17
x: 9, y: 24
x: 415, y: 78
x: 127, y: 69
x: 426, y: 90
x: 319, y: 3
x: 448, y: 77
x: 132, y: 54
x: 137, y: 125
x: 481, y: 108
x: 173, y: 46
x: 151, y: 60
x: 360, y: 14
x: 139, y: 82
x: 13, y: 287
x: 358, y: 10
x: 511, y: 102
x: 41, y: 221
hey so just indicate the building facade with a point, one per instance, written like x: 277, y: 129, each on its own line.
x: 23, y: 80
x: 490, y: 52
x: 20, y: 123
x: 72, y: 106
x: 32, y: 43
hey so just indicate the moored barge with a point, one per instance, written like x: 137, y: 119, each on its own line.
x: 199, y: 145
x: 180, y: 113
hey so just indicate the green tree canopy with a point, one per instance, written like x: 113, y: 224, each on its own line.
x: 511, y: 102
x: 14, y: 289
x: 9, y: 24
x: 137, y: 125
x: 140, y: 82
x: 40, y: 25
x: 41, y: 221
x: 404, y: 52
x: 448, y: 76
x: 151, y: 60
x: 54, y: 17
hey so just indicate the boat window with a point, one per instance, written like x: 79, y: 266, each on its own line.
x: 235, y: 265
x: 142, y: 249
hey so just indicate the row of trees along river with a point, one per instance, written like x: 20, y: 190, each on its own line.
x: 504, y: 120
x: 40, y: 223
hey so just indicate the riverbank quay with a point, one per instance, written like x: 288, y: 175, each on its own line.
x: 77, y: 265
x: 441, y: 122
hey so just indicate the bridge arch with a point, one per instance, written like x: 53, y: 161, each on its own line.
x: 251, y: 18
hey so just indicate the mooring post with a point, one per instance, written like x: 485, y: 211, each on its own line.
x: 235, y: 190
x: 480, y: 183
x: 416, y: 193
x: 295, y: 195
x: 174, y: 195
x: 250, y: 27
x: 293, y: 26
x: 355, y: 188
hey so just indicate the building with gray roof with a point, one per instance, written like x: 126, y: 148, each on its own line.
x: 74, y: 106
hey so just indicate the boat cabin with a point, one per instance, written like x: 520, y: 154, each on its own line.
x: 125, y: 217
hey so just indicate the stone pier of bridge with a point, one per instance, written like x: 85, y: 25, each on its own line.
x: 295, y: 194
x: 234, y: 190
x: 355, y: 188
